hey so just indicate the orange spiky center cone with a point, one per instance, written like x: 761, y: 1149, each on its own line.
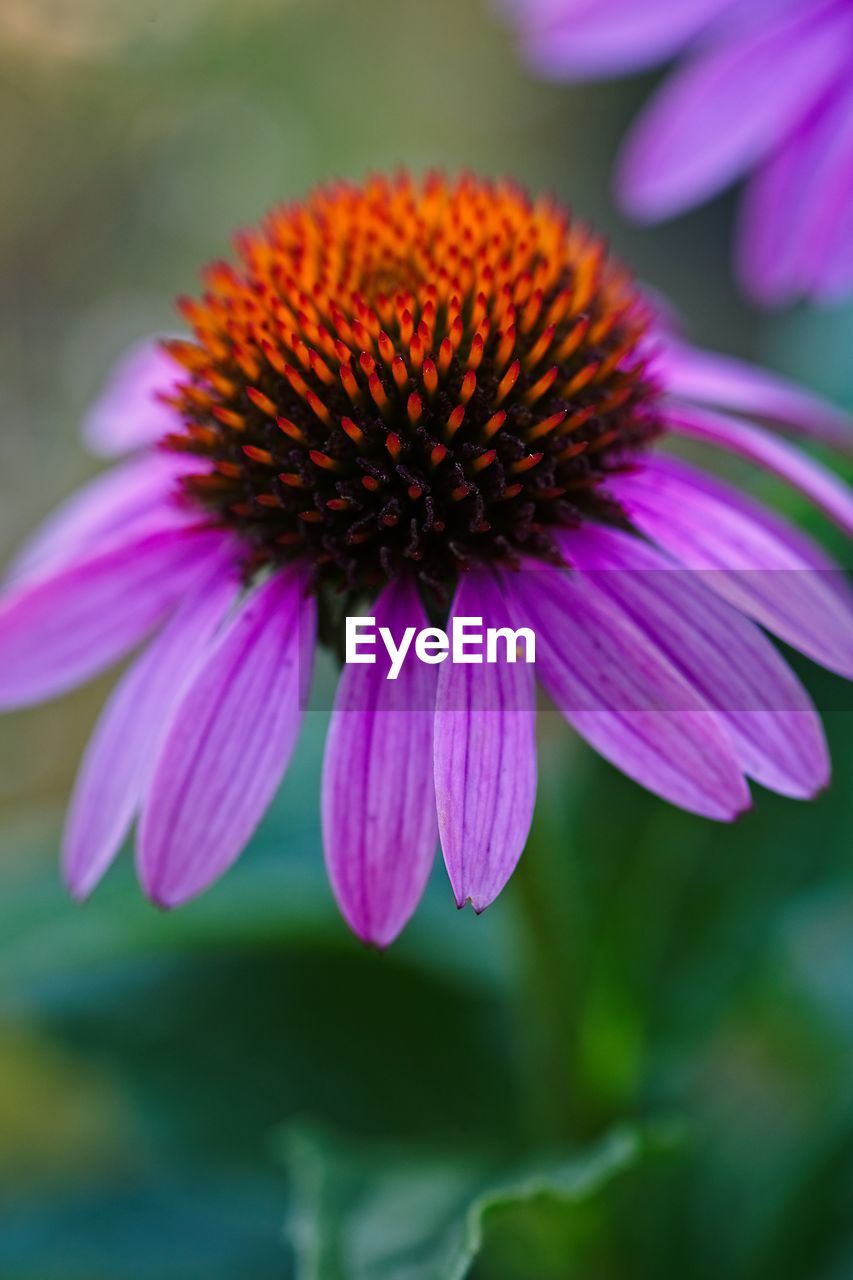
x: 412, y: 375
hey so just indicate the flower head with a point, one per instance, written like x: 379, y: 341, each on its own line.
x: 427, y: 400
x: 763, y: 90
x: 411, y: 376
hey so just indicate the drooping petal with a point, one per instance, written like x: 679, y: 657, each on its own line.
x: 128, y: 414
x: 485, y: 755
x: 727, y: 383
x: 124, y: 747
x: 725, y: 108
x: 62, y: 629
x: 821, y: 486
x: 116, y: 504
x: 768, y: 570
x: 625, y: 697
x: 229, y: 743
x: 589, y: 38
x: 379, y: 820
x: 776, y: 732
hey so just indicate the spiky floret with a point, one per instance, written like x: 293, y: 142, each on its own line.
x: 426, y: 373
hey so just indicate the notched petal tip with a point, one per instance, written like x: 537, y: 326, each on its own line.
x: 477, y: 902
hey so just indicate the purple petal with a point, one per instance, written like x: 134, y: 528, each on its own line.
x: 625, y: 697
x: 769, y: 247
x: 828, y: 258
x: 124, y: 747
x: 485, y: 756
x: 229, y: 743
x: 728, y: 383
x: 720, y: 113
x: 119, y: 503
x: 796, y: 210
x: 768, y: 570
x: 128, y: 413
x: 775, y: 731
x: 63, y: 629
x: 821, y: 486
x: 588, y: 38
x: 833, y: 273
x: 379, y: 819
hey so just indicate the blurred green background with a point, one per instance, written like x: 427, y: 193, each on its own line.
x: 638, y: 1062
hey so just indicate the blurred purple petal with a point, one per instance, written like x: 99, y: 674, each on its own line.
x: 118, y: 504
x: 796, y: 208
x: 776, y: 732
x: 728, y: 383
x: 764, y: 83
x: 725, y: 109
x: 229, y: 743
x: 128, y: 414
x: 817, y: 483
x: 124, y: 746
x: 63, y: 629
x: 581, y: 38
x: 833, y: 275
x: 622, y: 694
x: 379, y: 819
x: 485, y: 756
x: 768, y: 570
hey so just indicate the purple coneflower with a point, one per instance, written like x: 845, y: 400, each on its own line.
x: 422, y: 400
x: 764, y: 89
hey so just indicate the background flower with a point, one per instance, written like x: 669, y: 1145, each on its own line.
x: 762, y: 91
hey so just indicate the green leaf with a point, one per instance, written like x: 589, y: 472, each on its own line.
x: 368, y: 1213
x: 567, y: 1189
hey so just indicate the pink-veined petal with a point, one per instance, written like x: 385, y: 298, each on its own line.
x: 60, y: 630
x: 485, y: 755
x: 229, y: 743
x: 776, y: 732
x: 766, y: 569
x: 821, y: 486
x: 122, y: 751
x: 128, y: 413
x: 724, y: 109
x: 625, y: 697
x: 379, y: 820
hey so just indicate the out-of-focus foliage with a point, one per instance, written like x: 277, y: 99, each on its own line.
x: 409, y: 1216
x: 639, y: 1061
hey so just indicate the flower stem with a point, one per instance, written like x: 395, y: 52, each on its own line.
x: 546, y: 896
